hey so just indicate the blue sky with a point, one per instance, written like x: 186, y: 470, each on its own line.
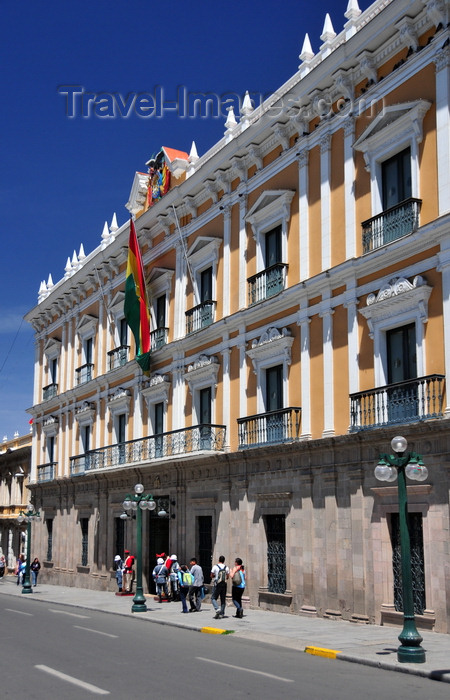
x: 63, y: 176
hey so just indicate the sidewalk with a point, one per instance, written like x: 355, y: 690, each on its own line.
x: 365, y: 644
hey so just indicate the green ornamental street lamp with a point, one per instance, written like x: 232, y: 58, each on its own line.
x: 404, y: 464
x: 28, y: 516
x: 138, y: 502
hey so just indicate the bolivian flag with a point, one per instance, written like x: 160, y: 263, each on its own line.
x: 135, y: 307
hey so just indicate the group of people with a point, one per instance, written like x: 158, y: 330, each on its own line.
x: 190, y: 581
x: 186, y: 583
x: 124, y: 569
x: 21, y: 567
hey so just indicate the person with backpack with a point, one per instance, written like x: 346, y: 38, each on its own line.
x: 238, y: 575
x: 160, y: 576
x: 219, y: 576
x: 195, y: 590
x: 185, y: 581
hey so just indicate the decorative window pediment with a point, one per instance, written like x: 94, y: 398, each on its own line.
x: 160, y: 280
x: 85, y: 413
x: 50, y: 425
x: 87, y: 326
x: 396, y: 300
x: 202, y: 372
x: 204, y: 251
x: 395, y: 125
x: 116, y: 306
x: 271, y: 208
x: 273, y: 346
x: 119, y: 401
x: 157, y: 389
x: 52, y: 348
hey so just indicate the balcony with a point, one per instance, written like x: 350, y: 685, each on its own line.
x: 118, y: 357
x: 391, y: 224
x: 270, y: 428
x: 200, y: 316
x: 404, y: 402
x: 158, y: 338
x: 46, y: 472
x: 48, y: 392
x: 267, y: 283
x: 84, y: 374
x: 175, y: 443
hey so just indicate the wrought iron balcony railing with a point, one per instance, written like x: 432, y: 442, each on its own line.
x: 118, y: 357
x: 391, y: 224
x: 200, y: 316
x: 267, y: 283
x: 46, y: 472
x: 158, y: 338
x: 176, y: 442
x: 84, y: 373
x: 403, y: 402
x: 269, y: 428
x: 48, y: 392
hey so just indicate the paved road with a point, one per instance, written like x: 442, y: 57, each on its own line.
x: 51, y: 650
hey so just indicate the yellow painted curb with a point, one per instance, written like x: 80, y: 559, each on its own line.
x: 318, y: 651
x: 213, y: 630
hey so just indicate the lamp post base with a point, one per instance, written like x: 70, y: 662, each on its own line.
x: 411, y: 655
x: 27, y: 589
x: 139, y: 604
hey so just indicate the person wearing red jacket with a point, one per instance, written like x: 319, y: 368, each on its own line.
x: 128, y: 572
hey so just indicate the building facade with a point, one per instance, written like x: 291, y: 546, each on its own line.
x: 15, y: 461
x: 299, y: 284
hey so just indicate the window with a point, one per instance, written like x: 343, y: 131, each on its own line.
x: 276, y: 553
x: 160, y: 333
x: 205, y: 411
x: 119, y: 536
x: 86, y: 330
x: 49, y: 523
x: 51, y: 448
x: 158, y: 428
x: 204, y: 542
x: 203, y: 257
x: 396, y: 178
x: 417, y: 561
x: 84, y: 524
x: 121, y: 429
x: 269, y: 218
x: 123, y: 332
x: 52, y: 350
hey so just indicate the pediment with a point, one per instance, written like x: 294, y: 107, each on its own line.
x: 394, y: 120
x: 52, y: 348
x: 87, y: 325
x: 268, y: 201
x: 202, y: 243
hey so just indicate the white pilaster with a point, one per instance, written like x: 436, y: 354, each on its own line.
x: 242, y: 252
x: 226, y: 400
x: 444, y: 268
x: 180, y: 293
x: 325, y: 149
x: 226, y: 260
x: 349, y: 194
x: 303, y: 214
x: 350, y: 304
x: 328, y: 372
x: 443, y: 128
x: 305, y: 369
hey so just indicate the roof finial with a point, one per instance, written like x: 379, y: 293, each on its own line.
x: 306, y: 54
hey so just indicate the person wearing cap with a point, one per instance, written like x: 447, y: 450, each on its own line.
x: 128, y: 572
x: 173, y: 568
x: 118, y: 565
x: 160, y: 576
